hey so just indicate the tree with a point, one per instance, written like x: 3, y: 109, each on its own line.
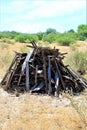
x: 71, y: 31
x: 50, y: 30
x: 40, y: 35
x: 82, y: 30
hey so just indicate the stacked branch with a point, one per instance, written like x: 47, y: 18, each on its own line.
x: 42, y: 71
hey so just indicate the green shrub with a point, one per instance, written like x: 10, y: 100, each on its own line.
x: 32, y: 37
x: 63, y: 38
x: 50, y: 37
x: 66, y: 39
x: 81, y: 38
x: 23, y: 38
x: 4, y: 35
x: 9, y: 35
x: 82, y: 30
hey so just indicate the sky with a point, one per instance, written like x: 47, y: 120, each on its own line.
x: 32, y: 16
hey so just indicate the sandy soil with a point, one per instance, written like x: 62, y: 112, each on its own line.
x: 36, y: 112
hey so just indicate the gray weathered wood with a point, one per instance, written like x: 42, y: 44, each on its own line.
x: 60, y: 76
x: 56, y: 84
x: 49, y: 76
x: 27, y: 76
x: 44, y: 70
x: 38, y: 87
x: 27, y: 59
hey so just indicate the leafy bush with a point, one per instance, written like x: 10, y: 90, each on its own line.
x: 23, y: 38
x: 82, y: 32
x: 10, y: 35
x: 50, y: 37
x: 32, y: 37
x: 66, y: 39
x: 3, y: 35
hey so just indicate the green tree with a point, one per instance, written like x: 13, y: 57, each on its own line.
x: 82, y: 31
x: 71, y: 31
x: 40, y: 35
x: 50, y: 30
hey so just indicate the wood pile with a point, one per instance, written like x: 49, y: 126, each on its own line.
x: 42, y: 71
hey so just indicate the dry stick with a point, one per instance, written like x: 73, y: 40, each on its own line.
x: 9, y: 69
x: 36, y: 75
x: 30, y: 46
x: 62, y: 82
x: 34, y: 44
x: 11, y: 76
x: 44, y: 69
x: 27, y: 76
x: 20, y: 75
x: 77, y: 77
x: 34, y: 54
x: 19, y: 79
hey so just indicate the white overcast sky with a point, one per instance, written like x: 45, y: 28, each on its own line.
x: 33, y: 16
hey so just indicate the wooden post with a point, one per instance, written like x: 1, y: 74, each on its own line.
x: 44, y: 71
x: 36, y: 75
x: 27, y: 76
x: 49, y: 76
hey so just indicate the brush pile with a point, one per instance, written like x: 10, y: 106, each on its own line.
x: 42, y: 71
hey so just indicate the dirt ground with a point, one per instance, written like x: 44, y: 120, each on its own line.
x: 36, y: 112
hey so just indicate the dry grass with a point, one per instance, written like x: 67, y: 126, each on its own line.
x: 80, y: 104
x: 7, y: 52
x: 33, y: 112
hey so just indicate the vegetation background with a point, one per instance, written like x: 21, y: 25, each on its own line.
x: 78, y: 60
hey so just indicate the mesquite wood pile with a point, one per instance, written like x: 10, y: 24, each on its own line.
x: 42, y: 71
